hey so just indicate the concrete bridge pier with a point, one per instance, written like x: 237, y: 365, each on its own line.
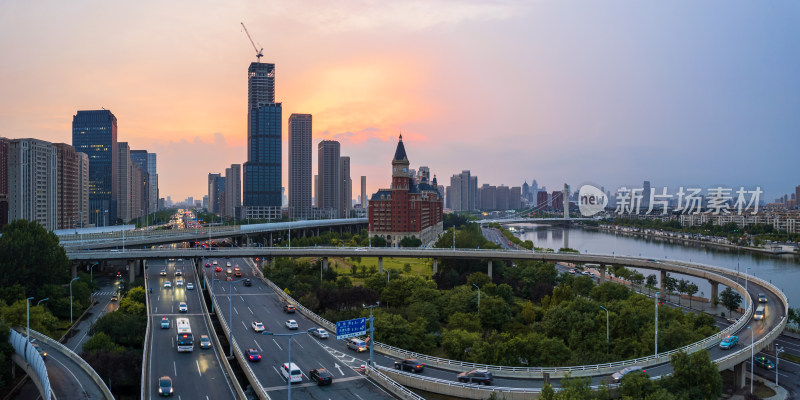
x: 490, y: 269
x: 714, y: 289
x: 380, y: 264
x: 325, y: 263
x: 132, y: 264
x: 435, y: 266
x: 663, y: 279
x: 739, y: 375
x: 602, y: 273
x: 74, y: 270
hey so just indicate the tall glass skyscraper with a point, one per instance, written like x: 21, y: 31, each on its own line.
x: 95, y: 133
x: 262, y: 171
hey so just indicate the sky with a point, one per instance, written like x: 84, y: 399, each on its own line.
x: 680, y: 93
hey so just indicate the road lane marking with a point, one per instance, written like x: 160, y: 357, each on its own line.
x: 298, y: 343
x: 308, y: 384
x: 276, y: 371
x: 251, y: 311
x: 175, y: 367
x: 276, y: 344
x: 198, y: 368
x: 244, y: 325
x: 259, y: 346
x: 237, y: 311
x: 241, y: 298
x: 70, y: 372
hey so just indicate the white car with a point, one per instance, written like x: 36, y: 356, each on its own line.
x: 228, y: 264
x: 168, y: 284
x: 320, y: 333
x: 291, y: 324
x: 258, y: 326
x: 190, y: 286
x: 178, y: 272
x: 179, y: 282
x: 163, y: 272
x: 215, y: 262
x: 182, y: 307
x: 180, y: 259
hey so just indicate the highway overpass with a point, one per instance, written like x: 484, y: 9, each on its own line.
x: 765, y: 332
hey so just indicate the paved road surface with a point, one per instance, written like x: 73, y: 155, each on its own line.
x: 260, y: 303
x: 195, y: 375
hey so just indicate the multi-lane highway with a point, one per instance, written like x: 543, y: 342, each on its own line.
x: 197, y: 374
x: 259, y: 303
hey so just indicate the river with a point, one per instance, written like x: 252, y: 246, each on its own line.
x: 782, y: 271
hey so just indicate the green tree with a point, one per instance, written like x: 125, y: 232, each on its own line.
x: 691, y: 289
x: 494, y: 312
x: 101, y: 342
x: 410, y: 242
x: 42, y: 320
x: 478, y: 278
x: 636, y: 385
x: 31, y: 256
x: 456, y: 343
x: 464, y: 321
x: 127, y: 329
x: 6, y: 352
x: 730, y: 299
x: 695, y: 376
x: 548, y: 393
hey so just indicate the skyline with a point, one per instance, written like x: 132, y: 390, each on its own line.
x: 712, y: 85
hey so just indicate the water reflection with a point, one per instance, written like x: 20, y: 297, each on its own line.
x: 782, y: 271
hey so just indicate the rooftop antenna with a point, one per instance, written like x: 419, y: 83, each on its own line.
x: 259, y: 53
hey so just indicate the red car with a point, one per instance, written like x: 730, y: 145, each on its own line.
x: 218, y: 269
x: 208, y: 265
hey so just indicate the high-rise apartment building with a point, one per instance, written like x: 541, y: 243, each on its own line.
x: 3, y: 182
x: 488, y: 197
x: 147, y: 161
x: 463, y: 189
x: 233, y: 191
x: 502, y: 198
x: 300, y: 158
x: 216, y: 188
x: 328, y: 191
x: 83, y: 189
x: 557, y: 200
x: 33, y: 182
x: 68, y: 197
x: 262, y: 171
x: 364, y: 192
x: 95, y: 134
x: 515, y: 198
x: 346, y: 188
x: 542, y: 199
x: 124, y: 173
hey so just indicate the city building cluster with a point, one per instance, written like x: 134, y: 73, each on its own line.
x: 97, y: 181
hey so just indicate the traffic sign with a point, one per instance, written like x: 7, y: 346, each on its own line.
x: 351, y: 328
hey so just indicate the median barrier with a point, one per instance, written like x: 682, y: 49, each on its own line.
x: 146, y: 353
x: 215, y: 339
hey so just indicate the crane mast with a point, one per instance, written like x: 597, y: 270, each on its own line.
x: 259, y: 53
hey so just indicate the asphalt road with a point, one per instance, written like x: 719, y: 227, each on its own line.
x: 197, y: 374
x: 259, y: 303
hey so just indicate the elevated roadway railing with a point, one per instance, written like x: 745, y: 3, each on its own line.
x: 554, y: 372
x: 26, y: 356
x: 146, y: 353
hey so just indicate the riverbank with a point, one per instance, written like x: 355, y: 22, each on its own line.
x: 673, y: 238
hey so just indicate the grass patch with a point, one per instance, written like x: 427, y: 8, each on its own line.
x: 790, y: 357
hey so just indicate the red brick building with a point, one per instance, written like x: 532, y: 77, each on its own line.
x: 409, y: 208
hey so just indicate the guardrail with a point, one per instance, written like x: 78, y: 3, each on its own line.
x: 77, y: 360
x: 218, y: 346
x: 254, y: 383
x: 27, y: 353
x: 146, y: 355
x: 532, y: 372
x: 390, y: 384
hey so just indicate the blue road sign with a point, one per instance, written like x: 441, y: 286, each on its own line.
x: 351, y: 328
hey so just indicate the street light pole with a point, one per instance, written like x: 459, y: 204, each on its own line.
x: 479, y: 297
x: 656, y: 298
x: 290, y: 335
x: 747, y: 294
x: 752, y: 355
x: 778, y: 351
x: 28, y: 309
x: 371, y: 330
x: 70, y: 298
x: 607, y: 341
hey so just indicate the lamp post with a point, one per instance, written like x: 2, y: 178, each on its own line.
x: 290, y: 335
x: 479, y: 297
x: 371, y: 329
x: 70, y: 298
x: 747, y: 294
x: 778, y: 351
x: 28, y: 310
x: 607, y: 341
x: 230, y: 312
x: 656, y: 298
x: 752, y: 355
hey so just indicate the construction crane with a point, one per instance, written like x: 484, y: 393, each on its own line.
x: 258, y: 52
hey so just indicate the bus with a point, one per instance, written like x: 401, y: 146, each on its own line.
x: 185, y: 341
x: 760, y: 312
